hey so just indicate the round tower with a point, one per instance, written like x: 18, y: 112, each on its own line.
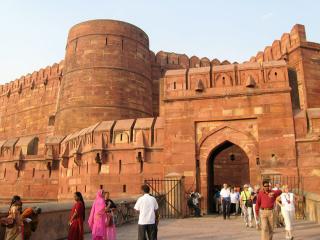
x: 107, y: 75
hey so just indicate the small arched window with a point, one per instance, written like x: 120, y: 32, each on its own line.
x: 33, y: 147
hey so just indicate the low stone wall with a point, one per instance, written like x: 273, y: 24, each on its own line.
x: 313, y: 207
x: 53, y: 221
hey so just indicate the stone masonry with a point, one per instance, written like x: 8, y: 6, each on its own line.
x: 113, y: 113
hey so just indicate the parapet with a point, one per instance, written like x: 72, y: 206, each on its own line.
x: 170, y: 60
x: 110, y: 26
x: 19, y: 148
x: 32, y: 80
x: 224, y: 80
x: 287, y: 43
x: 126, y: 134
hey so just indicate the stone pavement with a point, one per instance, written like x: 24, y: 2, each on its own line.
x: 213, y: 227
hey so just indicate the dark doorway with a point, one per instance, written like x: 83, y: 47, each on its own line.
x: 227, y: 163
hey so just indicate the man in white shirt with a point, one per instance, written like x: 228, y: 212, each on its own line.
x: 225, y: 200
x: 147, y: 207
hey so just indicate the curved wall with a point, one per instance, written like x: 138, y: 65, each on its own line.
x: 107, y: 75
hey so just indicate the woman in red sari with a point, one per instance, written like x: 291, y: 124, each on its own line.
x: 77, y: 217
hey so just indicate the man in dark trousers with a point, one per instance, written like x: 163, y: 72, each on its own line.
x: 147, y: 207
x: 225, y: 200
x: 265, y: 203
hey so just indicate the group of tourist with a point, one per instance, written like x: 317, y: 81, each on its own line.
x: 266, y: 206
x: 101, y: 219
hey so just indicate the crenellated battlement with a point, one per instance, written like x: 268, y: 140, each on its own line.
x: 170, y: 60
x: 288, y: 42
x: 32, y: 80
x: 28, y: 104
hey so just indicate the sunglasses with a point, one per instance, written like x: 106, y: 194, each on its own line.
x: 266, y: 186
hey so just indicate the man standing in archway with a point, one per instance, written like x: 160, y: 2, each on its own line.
x: 225, y: 201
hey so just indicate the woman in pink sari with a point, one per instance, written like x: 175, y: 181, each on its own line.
x: 97, y: 217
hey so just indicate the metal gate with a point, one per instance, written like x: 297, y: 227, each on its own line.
x: 169, y: 195
x: 296, y: 186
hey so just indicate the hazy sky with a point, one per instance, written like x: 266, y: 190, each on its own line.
x: 34, y: 32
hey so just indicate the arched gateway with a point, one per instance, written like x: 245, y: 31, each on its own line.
x: 226, y: 155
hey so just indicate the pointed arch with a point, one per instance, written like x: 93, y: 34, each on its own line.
x: 215, y: 138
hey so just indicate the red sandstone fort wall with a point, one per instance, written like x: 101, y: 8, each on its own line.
x: 27, y: 118
x: 27, y: 104
x: 114, y: 155
x: 223, y: 101
x: 303, y: 57
x: 163, y: 61
x: 107, y: 75
x: 202, y: 104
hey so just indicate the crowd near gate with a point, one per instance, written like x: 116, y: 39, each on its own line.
x: 169, y: 195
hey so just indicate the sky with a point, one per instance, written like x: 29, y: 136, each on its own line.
x: 33, y: 32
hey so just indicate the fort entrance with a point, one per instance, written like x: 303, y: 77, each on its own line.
x: 227, y: 163
x: 225, y: 155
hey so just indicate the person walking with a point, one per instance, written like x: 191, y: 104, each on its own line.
x: 217, y: 201
x: 286, y: 202
x: 147, y: 207
x: 77, y: 217
x: 238, y: 208
x: 98, y: 217
x: 225, y: 201
x: 234, y: 199
x: 265, y: 201
x: 246, y: 205
x: 111, y: 233
x: 254, y: 196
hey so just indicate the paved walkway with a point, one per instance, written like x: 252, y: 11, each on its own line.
x: 212, y: 227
